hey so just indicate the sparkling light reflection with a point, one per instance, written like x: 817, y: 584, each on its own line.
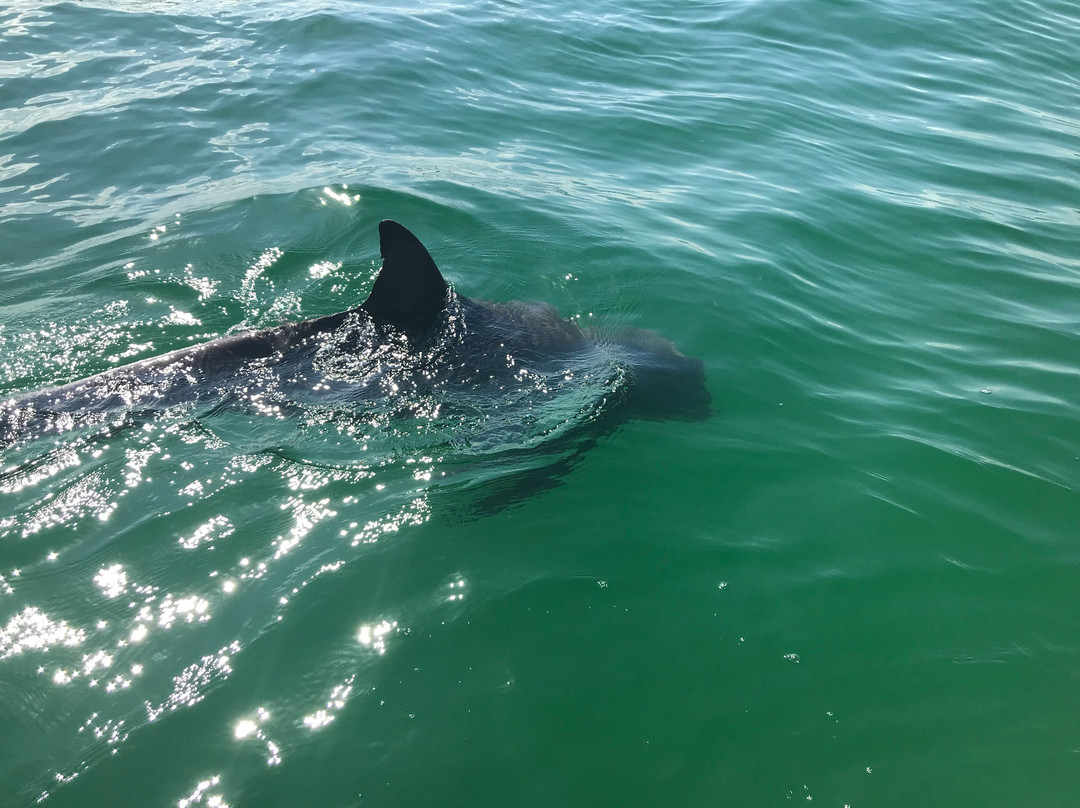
x: 340, y: 197
x: 338, y: 696
x: 324, y: 268
x: 190, y: 686
x: 202, y: 796
x: 32, y: 629
x: 112, y: 580
x: 63, y: 458
x: 374, y: 636
x: 415, y: 513
x: 247, y: 293
x: 305, y: 516
x: 91, y: 495
x: 455, y: 590
x: 219, y: 527
x: 252, y: 728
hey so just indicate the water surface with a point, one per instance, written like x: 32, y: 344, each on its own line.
x: 853, y: 585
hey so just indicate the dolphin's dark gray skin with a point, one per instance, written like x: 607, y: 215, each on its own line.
x: 414, y: 342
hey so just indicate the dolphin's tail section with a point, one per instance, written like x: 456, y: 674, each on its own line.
x: 410, y: 292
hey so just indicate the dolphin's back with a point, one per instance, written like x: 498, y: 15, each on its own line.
x: 413, y: 335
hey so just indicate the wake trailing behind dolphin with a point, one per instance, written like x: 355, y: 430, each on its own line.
x: 414, y: 348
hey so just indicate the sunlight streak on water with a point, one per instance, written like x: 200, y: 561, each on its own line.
x: 32, y: 629
x: 190, y: 685
x: 202, y: 795
x: 334, y: 704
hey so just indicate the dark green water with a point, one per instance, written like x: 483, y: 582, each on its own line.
x: 855, y: 584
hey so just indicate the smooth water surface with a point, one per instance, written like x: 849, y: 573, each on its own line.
x: 855, y: 583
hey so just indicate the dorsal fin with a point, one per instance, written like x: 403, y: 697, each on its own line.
x: 410, y: 291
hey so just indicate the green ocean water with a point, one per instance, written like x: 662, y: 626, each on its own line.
x: 854, y: 584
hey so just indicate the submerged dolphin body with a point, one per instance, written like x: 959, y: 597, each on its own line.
x: 415, y: 343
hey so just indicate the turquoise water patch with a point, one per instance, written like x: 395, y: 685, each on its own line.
x: 852, y: 584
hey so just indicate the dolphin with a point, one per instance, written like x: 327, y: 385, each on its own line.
x: 414, y: 341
